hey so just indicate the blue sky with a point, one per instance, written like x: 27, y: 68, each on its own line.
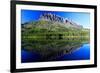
x: 78, y: 17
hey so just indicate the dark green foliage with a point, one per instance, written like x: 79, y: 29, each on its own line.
x: 46, y: 34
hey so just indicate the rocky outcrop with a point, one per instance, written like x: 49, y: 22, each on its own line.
x: 56, y: 18
x: 51, y: 17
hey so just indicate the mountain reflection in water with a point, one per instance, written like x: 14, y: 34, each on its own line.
x: 40, y: 50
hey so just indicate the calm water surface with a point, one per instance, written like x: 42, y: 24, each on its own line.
x: 80, y: 53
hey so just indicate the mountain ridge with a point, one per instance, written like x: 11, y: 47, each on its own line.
x: 54, y: 20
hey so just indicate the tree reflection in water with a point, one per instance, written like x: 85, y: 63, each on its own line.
x: 52, y: 47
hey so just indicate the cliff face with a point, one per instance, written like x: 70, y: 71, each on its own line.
x: 58, y: 19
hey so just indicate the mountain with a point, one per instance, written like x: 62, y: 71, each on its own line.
x: 49, y: 24
x: 52, y: 22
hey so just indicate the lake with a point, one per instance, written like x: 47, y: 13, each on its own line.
x: 43, y: 51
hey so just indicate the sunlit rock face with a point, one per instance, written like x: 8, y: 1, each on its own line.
x: 51, y: 17
x: 56, y: 18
